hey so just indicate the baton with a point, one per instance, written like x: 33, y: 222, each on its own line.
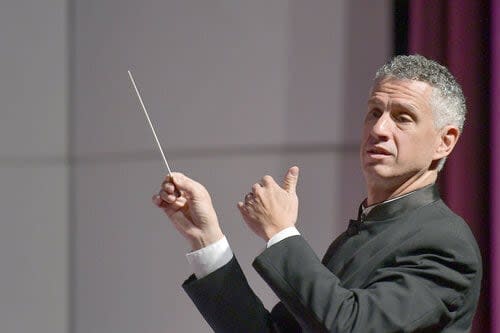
x: 149, y: 121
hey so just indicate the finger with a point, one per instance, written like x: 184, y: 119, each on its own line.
x: 157, y: 200
x: 242, y: 207
x: 168, y: 177
x: 267, y: 181
x: 164, y: 196
x: 168, y: 186
x: 183, y: 183
x: 256, y: 187
x: 178, y: 205
x: 169, y: 197
x: 167, y: 208
x: 249, y: 197
x: 291, y: 178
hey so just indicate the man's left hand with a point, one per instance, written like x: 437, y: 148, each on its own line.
x: 270, y: 208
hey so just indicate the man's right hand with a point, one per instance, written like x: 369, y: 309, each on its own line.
x: 189, y: 209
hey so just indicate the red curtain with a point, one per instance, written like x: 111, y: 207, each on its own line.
x: 456, y: 34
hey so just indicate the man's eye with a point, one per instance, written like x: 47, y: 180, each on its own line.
x: 404, y: 118
x: 376, y: 113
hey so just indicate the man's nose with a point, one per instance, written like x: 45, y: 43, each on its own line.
x: 382, y: 127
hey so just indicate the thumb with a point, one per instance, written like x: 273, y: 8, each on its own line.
x: 185, y: 184
x: 291, y: 178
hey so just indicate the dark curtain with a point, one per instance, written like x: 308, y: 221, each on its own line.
x: 456, y: 34
x: 495, y: 166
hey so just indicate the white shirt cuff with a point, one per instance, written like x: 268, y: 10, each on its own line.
x: 285, y: 233
x: 210, y: 258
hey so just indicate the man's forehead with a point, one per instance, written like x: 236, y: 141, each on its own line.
x: 410, y: 94
x: 401, y: 88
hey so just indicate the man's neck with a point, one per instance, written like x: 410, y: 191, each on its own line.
x: 379, y: 193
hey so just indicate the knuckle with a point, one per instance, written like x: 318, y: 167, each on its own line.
x: 267, y: 179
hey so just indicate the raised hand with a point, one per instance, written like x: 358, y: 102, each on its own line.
x: 270, y: 208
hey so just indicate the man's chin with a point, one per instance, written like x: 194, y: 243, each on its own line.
x: 377, y: 172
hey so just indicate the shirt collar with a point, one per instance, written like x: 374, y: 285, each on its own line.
x: 398, y: 205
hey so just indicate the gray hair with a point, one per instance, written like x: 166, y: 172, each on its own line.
x: 447, y: 99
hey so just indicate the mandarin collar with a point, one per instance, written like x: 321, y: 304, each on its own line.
x: 401, y: 205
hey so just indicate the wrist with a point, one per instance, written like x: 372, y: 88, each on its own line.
x: 285, y: 233
x: 274, y: 231
x: 206, y: 239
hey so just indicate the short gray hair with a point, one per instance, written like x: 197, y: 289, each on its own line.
x: 447, y: 100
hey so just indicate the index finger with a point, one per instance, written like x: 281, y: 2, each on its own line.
x: 169, y: 176
x: 267, y: 181
x: 187, y: 185
x: 168, y: 187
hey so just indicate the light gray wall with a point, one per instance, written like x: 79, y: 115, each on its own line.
x: 237, y: 90
x: 33, y: 166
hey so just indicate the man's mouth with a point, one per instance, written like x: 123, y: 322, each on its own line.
x: 378, y: 151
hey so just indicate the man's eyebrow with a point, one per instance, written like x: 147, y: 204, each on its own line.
x: 375, y: 101
x: 407, y: 106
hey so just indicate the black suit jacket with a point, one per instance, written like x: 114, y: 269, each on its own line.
x: 410, y: 265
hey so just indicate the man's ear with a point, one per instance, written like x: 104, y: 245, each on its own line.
x: 447, y: 139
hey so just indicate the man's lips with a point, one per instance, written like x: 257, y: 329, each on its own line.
x: 378, y: 151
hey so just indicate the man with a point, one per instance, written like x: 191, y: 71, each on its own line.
x: 407, y: 264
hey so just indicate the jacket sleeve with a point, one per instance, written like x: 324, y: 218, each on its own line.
x: 226, y: 301
x: 419, y: 289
